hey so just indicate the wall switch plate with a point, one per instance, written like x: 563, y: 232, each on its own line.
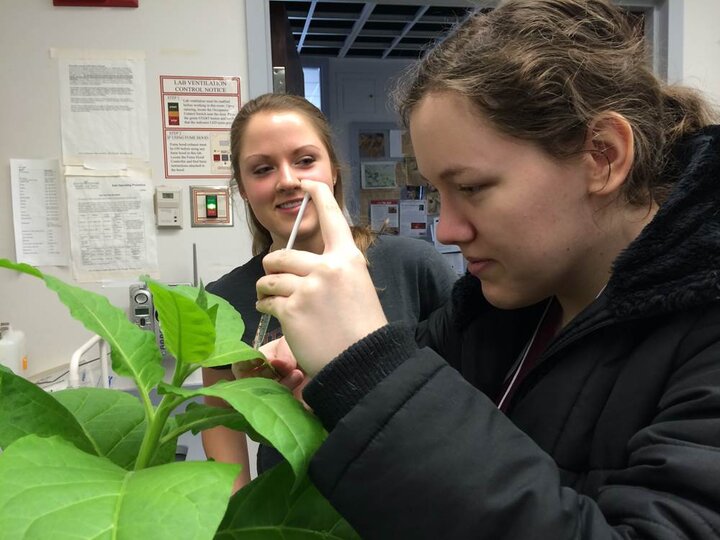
x: 211, y: 206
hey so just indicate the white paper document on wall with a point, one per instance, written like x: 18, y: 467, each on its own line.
x: 413, y: 218
x: 103, y: 106
x: 38, y: 215
x: 384, y: 215
x: 112, y: 226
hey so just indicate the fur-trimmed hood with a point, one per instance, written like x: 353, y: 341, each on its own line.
x: 674, y: 264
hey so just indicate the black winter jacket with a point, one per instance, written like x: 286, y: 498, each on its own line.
x: 614, y: 434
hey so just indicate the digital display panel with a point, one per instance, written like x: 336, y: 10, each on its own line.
x: 142, y: 311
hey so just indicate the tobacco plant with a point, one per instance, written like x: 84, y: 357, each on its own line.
x: 98, y: 463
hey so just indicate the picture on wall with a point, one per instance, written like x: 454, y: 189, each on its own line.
x: 372, y: 144
x: 378, y: 174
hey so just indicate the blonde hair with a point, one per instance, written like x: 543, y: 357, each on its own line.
x: 288, y: 103
x: 543, y: 70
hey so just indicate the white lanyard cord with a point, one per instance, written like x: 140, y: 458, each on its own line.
x: 524, y: 355
x: 529, y: 345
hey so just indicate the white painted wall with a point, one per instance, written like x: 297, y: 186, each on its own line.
x: 381, y: 73
x: 179, y: 37
x: 701, y: 46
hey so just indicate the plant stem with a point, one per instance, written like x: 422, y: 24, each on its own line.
x: 180, y: 374
x: 154, y: 430
x: 147, y: 403
x: 156, y: 420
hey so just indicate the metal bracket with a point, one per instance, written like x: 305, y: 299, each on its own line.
x: 278, y: 79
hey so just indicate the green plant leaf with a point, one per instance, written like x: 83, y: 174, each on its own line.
x: 229, y: 327
x: 201, y: 299
x: 133, y: 351
x: 27, y: 409
x: 50, y: 489
x: 189, y: 332
x: 297, y: 514
x: 212, y: 313
x: 273, y: 413
x: 113, y: 420
x: 198, y: 417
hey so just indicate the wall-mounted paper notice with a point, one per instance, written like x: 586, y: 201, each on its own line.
x: 197, y: 114
x: 384, y: 215
x: 103, y: 106
x: 413, y: 218
x: 38, y: 215
x: 396, y: 149
x: 112, y: 226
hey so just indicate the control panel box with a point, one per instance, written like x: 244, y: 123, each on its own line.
x: 168, y: 207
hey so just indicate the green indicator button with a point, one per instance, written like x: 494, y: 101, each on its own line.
x: 211, y: 206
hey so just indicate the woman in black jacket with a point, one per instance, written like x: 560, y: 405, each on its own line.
x: 571, y: 389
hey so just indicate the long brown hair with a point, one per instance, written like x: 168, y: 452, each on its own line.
x: 543, y: 70
x: 288, y: 103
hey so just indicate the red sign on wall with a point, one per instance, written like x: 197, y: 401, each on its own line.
x: 97, y: 3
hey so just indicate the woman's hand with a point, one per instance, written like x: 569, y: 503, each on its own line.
x: 325, y: 302
x: 284, y: 367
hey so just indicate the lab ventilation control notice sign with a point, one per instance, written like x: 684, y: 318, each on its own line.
x: 197, y: 115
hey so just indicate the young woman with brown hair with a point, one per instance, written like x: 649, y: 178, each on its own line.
x: 571, y: 389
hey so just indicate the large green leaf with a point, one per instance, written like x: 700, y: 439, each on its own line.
x: 113, y: 420
x: 189, y: 332
x: 50, y: 489
x: 26, y: 409
x: 298, y: 514
x: 229, y: 327
x: 133, y: 351
x: 273, y: 413
x: 198, y: 417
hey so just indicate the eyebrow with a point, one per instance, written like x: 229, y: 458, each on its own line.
x: 452, y: 172
x: 298, y: 150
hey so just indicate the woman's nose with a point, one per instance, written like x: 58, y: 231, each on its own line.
x: 287, y: 180
x: 452, y: 227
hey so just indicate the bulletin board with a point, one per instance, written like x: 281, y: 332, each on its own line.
x: 384, y: 168
x: 375, y: 172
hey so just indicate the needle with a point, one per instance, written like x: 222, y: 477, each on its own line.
x: 265, y: 318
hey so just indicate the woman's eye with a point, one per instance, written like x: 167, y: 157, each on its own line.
x: 472, y: 188
x: 306, y: 161
x: 259, y: 171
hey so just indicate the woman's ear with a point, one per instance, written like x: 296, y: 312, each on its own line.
x: 609, y: 145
